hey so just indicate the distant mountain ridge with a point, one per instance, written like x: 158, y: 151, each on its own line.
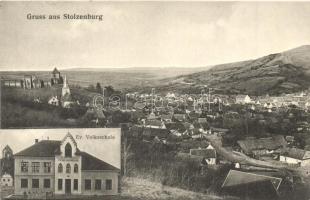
x: 277, y: 73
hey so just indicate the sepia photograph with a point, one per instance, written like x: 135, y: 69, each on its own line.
x: 59, y: 163
x: 155, y: 100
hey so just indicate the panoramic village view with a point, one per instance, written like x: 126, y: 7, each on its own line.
x: 201, y: 138
x: 212, y: 99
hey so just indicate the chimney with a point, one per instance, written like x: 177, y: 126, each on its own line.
x: 36, y: 141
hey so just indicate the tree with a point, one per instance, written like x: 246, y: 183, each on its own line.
x: 98, y: 88
x: 109, y: 90
x: 127, y: 154
x: 91, y: 88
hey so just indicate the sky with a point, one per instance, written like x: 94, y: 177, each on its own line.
x: 148, y: 34
x: 107, y: 150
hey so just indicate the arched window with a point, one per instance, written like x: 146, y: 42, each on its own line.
x: 68, y: 169
x: 68, y: 150
x: 76, y: 168
x: 60, y: 168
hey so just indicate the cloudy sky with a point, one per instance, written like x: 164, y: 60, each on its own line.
x: 148, y: 34
x: 107, y: 150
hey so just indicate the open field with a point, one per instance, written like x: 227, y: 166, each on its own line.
x: 135, y: 188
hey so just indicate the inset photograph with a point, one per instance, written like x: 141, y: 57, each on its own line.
x: 59, y: 163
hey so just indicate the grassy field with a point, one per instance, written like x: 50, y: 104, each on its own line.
x: 135, y: 188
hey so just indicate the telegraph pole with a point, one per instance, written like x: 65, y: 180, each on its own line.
x: 103, y: 91
x: 210, y: 99
x: 153, y: 100
x: 126, y: 102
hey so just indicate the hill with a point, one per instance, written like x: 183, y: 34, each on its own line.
x: 277, y: 73
x: 119, y: 78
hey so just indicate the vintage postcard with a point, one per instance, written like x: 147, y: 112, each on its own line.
x: 155, y: 100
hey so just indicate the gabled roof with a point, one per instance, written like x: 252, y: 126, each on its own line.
x: 179, y: 117
x: 235, y: 178
x: 205, y: 153
x: 176, y: 126
x: 90, y: 162
x: 152, y: 132
x: 241, y: 96
x: 202, y: 120
x: 166, y: 117
x: 50, y: 148
x: 44, y: 148
x: 299, y: 154
x: 270, y: 143
x: 154, y: 122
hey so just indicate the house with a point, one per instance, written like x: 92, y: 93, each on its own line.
x: 53, y: 101
x: 95, y: 115
x: 6, y: 180
x: 60, y: 167
x: 151, y: 133
x: 179, y: 117
x: 202, y: 120
x: 248, y: 185
x: 219, y: 131
x: 243, y: 99
x: 295, y: 156
x: 166, y: 118
x: 154, y: 124
x: 207, y: 155
x: 262, y: 146
x: 176, y: 126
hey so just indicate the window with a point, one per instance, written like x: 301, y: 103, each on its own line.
x: 87, y: 184
x: 59, y: 184
x: 24, y: 166
x: 60, y: 168
x: 47, y: 167
x: 35, y: 166
x: 47, y: 183
x: 68, y: 168
x: 68, y: 150
x: 35, y: 183
x: 24, y: 183
x: 76, y: 168
x: 108, y: 184
x: 75, y: 184
x: 97, y: 184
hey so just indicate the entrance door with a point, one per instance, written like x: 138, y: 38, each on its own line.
x: 68, y: 186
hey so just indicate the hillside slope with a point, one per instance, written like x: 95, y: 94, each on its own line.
x: 278, y: 73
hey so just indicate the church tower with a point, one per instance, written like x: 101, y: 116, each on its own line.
x: 65, y: 88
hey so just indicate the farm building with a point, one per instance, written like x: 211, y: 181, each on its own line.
x: 295, y: 156
x: 249, y: 185
x: 262, y: 146
x: 243, y: 99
